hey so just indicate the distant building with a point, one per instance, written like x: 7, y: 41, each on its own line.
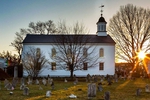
x: 105, y: 48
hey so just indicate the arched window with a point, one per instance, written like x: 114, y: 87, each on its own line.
x: 53, y: 52
x: 101, y: 52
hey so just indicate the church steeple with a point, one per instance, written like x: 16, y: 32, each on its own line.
x: 101, y: 25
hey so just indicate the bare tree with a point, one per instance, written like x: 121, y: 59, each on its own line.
x: 47, y: 27
x: 34, y: 61
x: 72, y: 51
x: 130, y: 28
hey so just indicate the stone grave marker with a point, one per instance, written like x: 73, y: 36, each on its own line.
x: 6, y: 82
x: 116, y: 77
x: 40, y: 88
x: 37, y: 82
x: 138, y: 92
x: 44, y: 81
x: 107, y: 95
x: 22, y: 86
x: 26, y: 91
x: 9, y: 86
x: 91, y: 90
x: 76, y: 81
x: 48, y: 93
x: 14, y: 82
x: 100, y: 88
x: 65, y: 80
x: 52, y: 85
x: 22, y: 81
x: 147, y: 88
x: 29, y: 80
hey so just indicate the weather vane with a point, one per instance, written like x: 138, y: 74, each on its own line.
x: 101, y: 10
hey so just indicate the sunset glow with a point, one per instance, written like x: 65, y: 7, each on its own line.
x: 141, y: 55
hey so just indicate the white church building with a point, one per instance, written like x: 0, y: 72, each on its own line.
x: 105, y: 50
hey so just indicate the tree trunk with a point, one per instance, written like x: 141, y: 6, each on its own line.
x: 71, y: 71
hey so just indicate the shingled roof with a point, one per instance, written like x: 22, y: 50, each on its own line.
x: 40, y: 38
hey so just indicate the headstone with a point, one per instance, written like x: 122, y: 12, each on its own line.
x: 91, y: 90
x: 44, y: 81
x: 147, y: 88
x: 9, y: 86
x: 14, y: 82
x: 138, y: 92
x: 116, y: 77
x: 29, y: 80
x: 48, y: 93
x: 6, y: 82
x: 76, y: 81
x: 26, y: 91
x: 100, y: 87
x: 22, y: 81
x: 40, y: 88
x: 52, y: 85
x: 51, y: 81
x: 37, y: 82
x: 107, y: 96
x: 65, y: 80
x: 22, y: 87
x: 109, y: 81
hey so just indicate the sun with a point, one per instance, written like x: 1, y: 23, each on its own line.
x: 141, y: 55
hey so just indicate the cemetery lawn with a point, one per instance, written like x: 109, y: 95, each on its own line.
x: 121, y: 90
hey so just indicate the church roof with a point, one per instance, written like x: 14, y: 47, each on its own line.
x: 40, y: 38
x: 101, y: 19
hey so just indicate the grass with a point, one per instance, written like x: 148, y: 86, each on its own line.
x: 122, y: 90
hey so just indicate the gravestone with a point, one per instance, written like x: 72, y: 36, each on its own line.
x: 147, y: 88
x: 9, y: 86
x: 29, y: 80
x: 65, y: 80
x: 52, y: 85
x: 14, y: 82
x: 26, y: 91
x: 6, y: 82
x: 44, y: 81
x: 138, y: 92
x: 37, y: 82
x: 107, y: 96
x: 116, y: 77
x: 22, y: 81
x: 100, y: 88
x: 22, y: 86
x: 51, y: 81
x: 91, y: 90
x: 48, y: 93
x: 40, y: 88
x: 76, y: 81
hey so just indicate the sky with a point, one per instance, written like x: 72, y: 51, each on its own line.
x: 17, y: 14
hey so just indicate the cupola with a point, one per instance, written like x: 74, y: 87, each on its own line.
x: 101, y: 26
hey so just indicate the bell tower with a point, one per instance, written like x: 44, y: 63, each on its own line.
x: 101, y: 25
